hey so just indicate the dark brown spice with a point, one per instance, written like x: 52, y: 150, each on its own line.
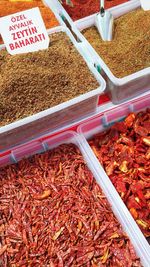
x: 33, y: 82
x: 129, y: 51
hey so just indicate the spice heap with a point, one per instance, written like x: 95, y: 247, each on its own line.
x: 33, y: 82
x: 83, y: 8
x: 124, y: 152
x: 129, y: 51
x: 54, y: 214
x: 8, y: 7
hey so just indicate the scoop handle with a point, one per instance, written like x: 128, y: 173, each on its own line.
x: 102, y: 7
x: 102, y: 2
x: 145, y: 4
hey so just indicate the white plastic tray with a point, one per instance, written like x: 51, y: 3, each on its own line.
x: 119, y: 89
x: 94, y: 126
x: 59, y: 11
x: 57, y: 116
x: 139, y: 242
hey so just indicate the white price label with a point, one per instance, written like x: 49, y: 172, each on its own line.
x: 24, y: 32
x: 145, y: 4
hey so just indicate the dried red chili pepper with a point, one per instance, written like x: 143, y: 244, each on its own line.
x: 82, y: 8
x: 124, y: 152
x: 54, y: 214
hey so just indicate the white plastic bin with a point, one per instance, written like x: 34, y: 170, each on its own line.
x: 139, y: 242
x: 119, y: 89
x: 57, y: 116
x: 103, y: 122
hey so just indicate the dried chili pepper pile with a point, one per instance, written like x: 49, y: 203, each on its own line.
x: 124, y: 152
x: 54, y: 214
x: 82, y: 8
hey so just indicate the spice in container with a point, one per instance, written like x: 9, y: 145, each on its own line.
x: 33, y: 82
x: 124, y: 152
x: 9, y: 7
x: 53, y: 213
x: 83, y: 8
x: 129, y: 51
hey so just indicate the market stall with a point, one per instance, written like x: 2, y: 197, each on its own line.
x: 74, y: 134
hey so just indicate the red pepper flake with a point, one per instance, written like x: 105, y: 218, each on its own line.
x: 3, y: 249
x: 55, y: 214
x: 125, y: 157
x: 44, y: 195
x: 83, y: 8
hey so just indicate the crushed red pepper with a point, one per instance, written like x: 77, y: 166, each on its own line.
x: 83, y: 8
x: 124, y: 152
x: 53, y: 213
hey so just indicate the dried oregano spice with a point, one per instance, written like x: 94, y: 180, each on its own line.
x: 129, y: 51
x: 33, y: 82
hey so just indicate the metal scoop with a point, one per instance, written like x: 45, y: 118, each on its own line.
x: 145, y: 4
x: 104, y: 23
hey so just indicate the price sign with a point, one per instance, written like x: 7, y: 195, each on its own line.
x: 24, y: 32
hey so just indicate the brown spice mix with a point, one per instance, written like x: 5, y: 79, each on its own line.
x: 33, y: 82
x: 129, y: 51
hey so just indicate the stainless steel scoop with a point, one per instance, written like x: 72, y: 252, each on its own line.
x: 145, y: 4
x: 104, y: 23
